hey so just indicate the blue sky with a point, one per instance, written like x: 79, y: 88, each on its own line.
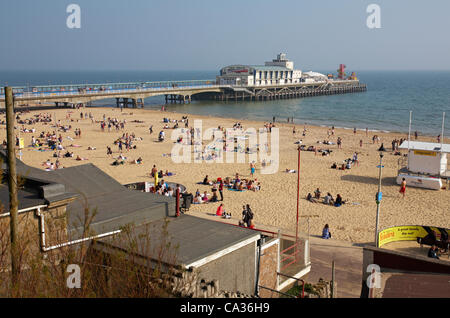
x: 209, y: 34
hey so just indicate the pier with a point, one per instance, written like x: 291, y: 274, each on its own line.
x: 259, y: 93
x: 132, y: 95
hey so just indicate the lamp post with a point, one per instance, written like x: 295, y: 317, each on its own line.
x: 378, y: 199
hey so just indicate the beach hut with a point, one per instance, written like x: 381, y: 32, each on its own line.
x: 427, y: 164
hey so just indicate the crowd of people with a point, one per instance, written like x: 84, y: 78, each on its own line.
x: 347, y: 163
x: 327, y: 199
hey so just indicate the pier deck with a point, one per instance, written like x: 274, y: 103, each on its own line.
x: 133, y: 94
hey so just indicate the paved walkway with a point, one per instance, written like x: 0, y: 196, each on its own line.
x: 348, y: 259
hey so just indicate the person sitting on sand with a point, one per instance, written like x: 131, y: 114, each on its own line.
x: 334, y: 165
x: 220, y: 210
x: 328, y: 199
x: 338, y: 201
x: 137, y: 161
x: 433, y: 252
x: 205, y: 197
x: 326, y: 234
x: 214, y: 197
x: 118, y: 162
x: 198, y: 197
x: 317, y: 193
x: 310, y: 198
x: 169, y: 192
x: 206, y: 181
x: 161, y: 136
x: 381, y: 148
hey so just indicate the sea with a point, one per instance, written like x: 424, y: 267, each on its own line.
x: 385, y: 106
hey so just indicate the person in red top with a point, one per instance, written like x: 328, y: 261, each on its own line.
x: 403, y: 187
x: 220, y: 210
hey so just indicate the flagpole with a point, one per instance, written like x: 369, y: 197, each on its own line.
x: 442, y: 134
x: 409, y: 133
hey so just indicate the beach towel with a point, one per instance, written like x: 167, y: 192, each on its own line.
x: 231, y: 189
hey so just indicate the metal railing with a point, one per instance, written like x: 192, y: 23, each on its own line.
x: 105, y: 88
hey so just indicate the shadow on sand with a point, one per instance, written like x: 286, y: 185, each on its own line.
x: 387, y: 181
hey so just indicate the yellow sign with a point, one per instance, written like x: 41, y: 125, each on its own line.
x: 403, y: 233
x: 21, y: 143
x: 425, y: 153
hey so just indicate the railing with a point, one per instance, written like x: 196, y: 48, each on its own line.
x: 105, y: 88
x: 296, y: 282
x: 291, y: 255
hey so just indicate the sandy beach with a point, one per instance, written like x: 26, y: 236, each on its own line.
x: 274, y: 205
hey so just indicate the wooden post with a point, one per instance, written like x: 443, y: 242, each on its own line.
x: 12, y: 185
x: 332, y: 280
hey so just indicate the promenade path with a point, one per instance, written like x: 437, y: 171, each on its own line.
x: 348, y: 259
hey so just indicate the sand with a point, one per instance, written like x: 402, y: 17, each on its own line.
x: 275, y: 206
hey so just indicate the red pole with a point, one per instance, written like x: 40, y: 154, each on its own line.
x: 298, y: 193
x: 178, y: 202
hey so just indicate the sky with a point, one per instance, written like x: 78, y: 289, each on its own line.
x: 209, y: 34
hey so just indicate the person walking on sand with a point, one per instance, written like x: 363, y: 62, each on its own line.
x: 339, y: 143
x: 252, y: 168
x: 221, y: 189
x: 403, y: 187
